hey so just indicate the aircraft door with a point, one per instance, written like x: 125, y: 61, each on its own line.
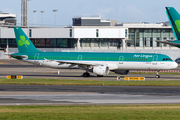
x: 80, y: 58
x: 121, y: 58
x: 36, y: 57
x: 155, y: 58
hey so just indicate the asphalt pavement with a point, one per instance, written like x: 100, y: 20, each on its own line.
x: 80, y: 95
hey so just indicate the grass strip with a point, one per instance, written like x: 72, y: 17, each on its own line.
x: 88, y: 82
x: 104, y: 112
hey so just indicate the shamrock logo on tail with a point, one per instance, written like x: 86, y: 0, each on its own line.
x: 177, y: 27
x: 23, y: 41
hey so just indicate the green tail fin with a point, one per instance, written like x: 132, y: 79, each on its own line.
x: 23, y: 42
x: 174, y: 19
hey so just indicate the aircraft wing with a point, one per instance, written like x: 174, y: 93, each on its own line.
x: 85, y: 65
x: 74, y: 63
x: 169, y: 42
x: 79, y: 63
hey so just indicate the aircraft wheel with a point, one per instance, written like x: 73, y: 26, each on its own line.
x: 86, y: 74
x: 157, y: 76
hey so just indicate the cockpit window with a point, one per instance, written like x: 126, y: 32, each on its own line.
x: 167, y: 59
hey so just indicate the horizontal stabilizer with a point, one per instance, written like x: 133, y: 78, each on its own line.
x: 19, y: 56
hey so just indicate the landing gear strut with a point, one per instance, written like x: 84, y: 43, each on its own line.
x: 86, y: 74
x: 157, y: 74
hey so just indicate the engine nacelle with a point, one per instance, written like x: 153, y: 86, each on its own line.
x: 101, y: 70
x: 121, y: 72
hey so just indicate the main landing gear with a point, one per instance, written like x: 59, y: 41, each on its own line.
x: 157, y: 74
x: 86, y: 74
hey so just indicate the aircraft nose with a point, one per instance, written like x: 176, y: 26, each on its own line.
x: 175, y: 65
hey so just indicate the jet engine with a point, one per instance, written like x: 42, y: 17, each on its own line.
x: 101, y: 70
x: 121, y: 72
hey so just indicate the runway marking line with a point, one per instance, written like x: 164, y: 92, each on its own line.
x: 50, y: 72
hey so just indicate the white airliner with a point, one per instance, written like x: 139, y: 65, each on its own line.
x: 97, y: 63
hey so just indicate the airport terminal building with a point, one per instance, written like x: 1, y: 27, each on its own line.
x: 94, y: 34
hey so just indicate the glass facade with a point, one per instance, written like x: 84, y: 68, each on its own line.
x: 144, y: 37
x: 43, y: 43
x: 100, y: 43
x: 11, y: 42
x: 95, y: 43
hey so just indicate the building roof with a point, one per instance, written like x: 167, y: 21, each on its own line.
x: 7, y: 15
x: 145, y: 25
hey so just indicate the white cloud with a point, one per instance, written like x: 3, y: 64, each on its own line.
x: 121, y: 13
x: 130, y: 13
x: 104, y: 12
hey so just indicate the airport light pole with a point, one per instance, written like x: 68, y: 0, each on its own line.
x: 42, y: 18
x: 120, y: 18
x: 34, y: 17
x: 55, y: 17
x: 28, y: 12
x: 160, y: 17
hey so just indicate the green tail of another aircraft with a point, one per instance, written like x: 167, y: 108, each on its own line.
x: 23, y: 43
x: 174, y: 19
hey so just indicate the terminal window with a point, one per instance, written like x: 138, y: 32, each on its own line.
x: 70, y: 33
x: 97, y: 33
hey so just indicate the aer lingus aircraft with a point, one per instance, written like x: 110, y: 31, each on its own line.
x: 174, y: 19
x: 97, y: 63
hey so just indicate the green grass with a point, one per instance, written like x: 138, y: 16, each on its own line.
x: 88, y: 82
x: 111, y: 112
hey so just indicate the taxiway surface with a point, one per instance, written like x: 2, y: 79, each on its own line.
x: 62, y: 95
x: 85, y: 95
x: 31, y: 71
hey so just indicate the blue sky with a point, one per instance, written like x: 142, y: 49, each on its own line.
x: 121, y: 10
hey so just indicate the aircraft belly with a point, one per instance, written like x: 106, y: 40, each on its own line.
x: 139, y: 66
x: 133, y: 65
x: 111, y: 65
